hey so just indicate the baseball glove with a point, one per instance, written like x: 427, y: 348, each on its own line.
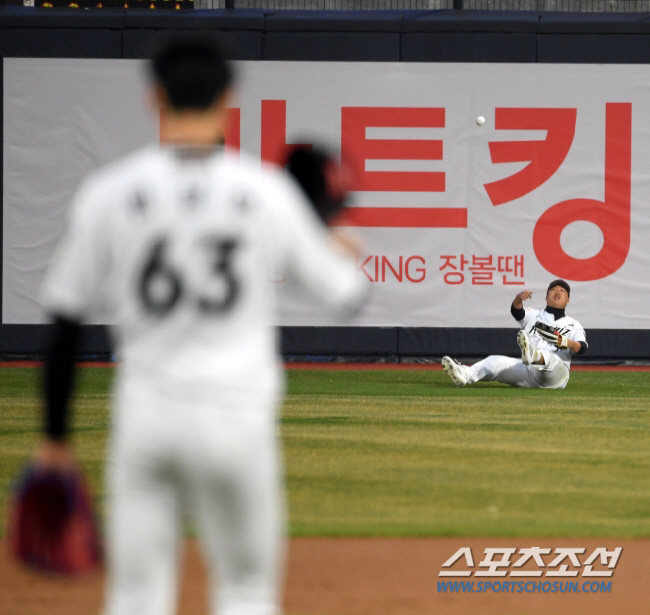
x: 551, y: 335
x: 325, y: 180
x: 52, y: 525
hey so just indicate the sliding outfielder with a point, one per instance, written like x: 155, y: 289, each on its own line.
x: 177, y: 245
x: 548, y: 338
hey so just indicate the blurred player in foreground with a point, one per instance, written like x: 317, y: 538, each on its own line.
x: 177, y: 245
x: 548, y: 339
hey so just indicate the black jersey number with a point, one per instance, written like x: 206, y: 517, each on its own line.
x: 222, y: 253
x: 161, y: 286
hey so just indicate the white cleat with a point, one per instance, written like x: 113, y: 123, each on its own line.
x: 527, y: 350
x: 455, y: 371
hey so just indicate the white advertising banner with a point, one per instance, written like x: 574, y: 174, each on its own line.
x: 476, y: 180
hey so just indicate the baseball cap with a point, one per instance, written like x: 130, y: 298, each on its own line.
x: 561, y: 283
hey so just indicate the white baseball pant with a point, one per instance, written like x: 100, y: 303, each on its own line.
x: 553, y: 375
x: 218, y: 461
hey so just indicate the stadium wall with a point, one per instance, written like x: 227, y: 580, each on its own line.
x: 412, y: 36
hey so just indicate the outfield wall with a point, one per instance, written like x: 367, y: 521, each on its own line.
x: 390, y: 37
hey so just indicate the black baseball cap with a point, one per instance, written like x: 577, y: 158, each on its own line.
x: 561, y: 283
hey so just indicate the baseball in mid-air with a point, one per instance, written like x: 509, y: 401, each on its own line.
x: 480, y: 120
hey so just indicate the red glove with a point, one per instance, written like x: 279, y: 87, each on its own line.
x: 52, y: 525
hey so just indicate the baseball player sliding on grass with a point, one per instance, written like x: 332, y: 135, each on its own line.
x: 177, y: 245
x: 547, y: 339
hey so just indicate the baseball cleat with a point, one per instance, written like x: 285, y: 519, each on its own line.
x: 455, y: 371
x: 527, y: 350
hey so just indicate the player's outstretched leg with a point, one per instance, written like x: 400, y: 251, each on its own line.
x: 455, y: 371
x: 498, y: 368
x: 529, y: 354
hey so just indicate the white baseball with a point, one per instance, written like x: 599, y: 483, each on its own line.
x: 480, y: 120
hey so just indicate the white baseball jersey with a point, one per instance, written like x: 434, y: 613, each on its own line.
x: 179, y: 251
x: 567, y: 326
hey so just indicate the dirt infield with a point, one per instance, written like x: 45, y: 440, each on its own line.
x: 367, y: 576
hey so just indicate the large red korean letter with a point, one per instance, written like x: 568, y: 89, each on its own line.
x: 612, y: 215
x: 543, y: 157
x: 355, y: 120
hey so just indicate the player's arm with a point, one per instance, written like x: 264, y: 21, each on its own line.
x: 58, y: 384
x: 579, y: 338
x: 324, y: 262
x: 517, y: 307
x: 577, y: 343
x: 321, y: 258
x: 54, y: 471
x: 71, y: 286
x: 576, y: 347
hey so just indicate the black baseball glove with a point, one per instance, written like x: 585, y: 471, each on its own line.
x: 325, y: 180
x: 551, y: 335
x: 52, y: 525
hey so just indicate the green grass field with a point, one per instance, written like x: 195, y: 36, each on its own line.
x: 405, y: 453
